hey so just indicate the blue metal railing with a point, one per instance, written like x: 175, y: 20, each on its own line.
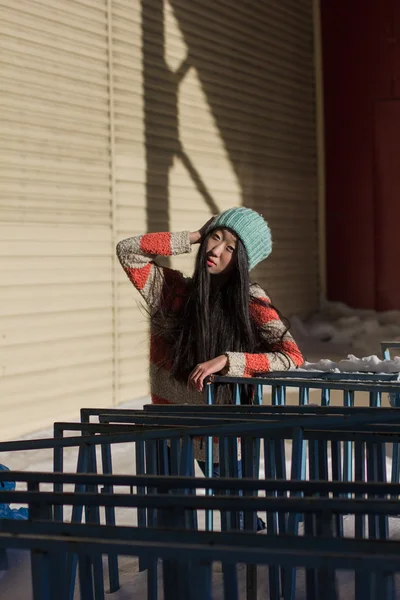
x: 387, y: 346
x: 272, y: 437
x: 306, y: 428
x: 341, y: 443
x: 191, y: 556
x: 88, y: 542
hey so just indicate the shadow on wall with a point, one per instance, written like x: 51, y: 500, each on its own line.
x: 161, y: 113
x: 264, y: 114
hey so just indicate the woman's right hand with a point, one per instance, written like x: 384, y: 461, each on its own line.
x: 196, y: 237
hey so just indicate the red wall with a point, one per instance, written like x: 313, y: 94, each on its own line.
x: 360, y: 61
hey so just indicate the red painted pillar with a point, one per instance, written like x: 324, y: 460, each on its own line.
x: 358, y: 63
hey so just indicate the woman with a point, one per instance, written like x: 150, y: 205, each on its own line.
x: 215, y: 322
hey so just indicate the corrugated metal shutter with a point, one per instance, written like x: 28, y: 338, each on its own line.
x: 120, y: 117
x: 56, y: 247
x: 214, y: 107
x: 230, y: 119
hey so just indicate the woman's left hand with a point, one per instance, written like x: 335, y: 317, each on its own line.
x: 199, y: 373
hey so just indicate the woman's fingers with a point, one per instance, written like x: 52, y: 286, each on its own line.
x: 192, y: 378
x: 197, y: 377
x: 200, y: 379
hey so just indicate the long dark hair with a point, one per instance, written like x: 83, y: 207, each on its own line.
x: 212, y: 319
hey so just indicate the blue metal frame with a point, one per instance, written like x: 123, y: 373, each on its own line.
x: 363, y: 434
x: 149, y: 431
x: 348, y: 383
x: 387, y: 346
x: 317, y: 454
x: 89, y: 541
x: 194, y: 553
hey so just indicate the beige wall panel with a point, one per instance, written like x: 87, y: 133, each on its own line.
x: 54, y: 134
x: 125, y: 117
x: 130, y: 192
x: 238, y: 128
x: 55, y: 323
x: 246, y: 121
x: 56, y: 302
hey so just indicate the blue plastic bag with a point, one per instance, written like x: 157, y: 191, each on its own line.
x: 5, y: 511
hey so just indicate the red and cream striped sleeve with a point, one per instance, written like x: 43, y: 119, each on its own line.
x: 285, y: 355
x: 136, y: 255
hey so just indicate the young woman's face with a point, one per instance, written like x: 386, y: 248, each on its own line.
x: 221, y: 252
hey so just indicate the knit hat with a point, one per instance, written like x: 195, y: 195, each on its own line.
x: 251, y: 228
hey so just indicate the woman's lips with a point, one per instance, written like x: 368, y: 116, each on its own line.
x: 210, y: 263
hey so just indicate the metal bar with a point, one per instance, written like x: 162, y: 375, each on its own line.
x: 231, y: 591
x: 258, y: 395
x: 93, y: 516
x: 313, y: 458
x: 140, y: 460
x: 151, y: 462
x: 236, y: 394
x: 209, y: 473
x: 359, y: 473
x: 337, y: 476
x: 40, y: 573
x: 363, y: 585
x: 192, y: 521
x: 152, y: 579
x: 76, y: 517
x: 348, y: 400
x: 289, y: 575
x: 267, y: 409
x: 151, y: 468
x: 175, y: 450
x: 280, y: 473
x: 200, y: 581
x: 181, y: 545
x: 396, y: 464
x: 58, y: 467
x: 209, y: 517
x: 380, y: 457
x: 372, y: 476
x: 274, y: 396
x: 237, y: 502
x: 235, y: 429
x: 249, y: 519
x: 293, y: 377
x: 375, y: 399
x: 85, y: 577
x: 224, y: 472
x: 387, y: 346
x: 113, y: 573
x: 280, y: 396
x: 325, y: 397
x: 311, y: 574
x: 272, y: 517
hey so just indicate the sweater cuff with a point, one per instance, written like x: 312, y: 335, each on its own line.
x: 180, y: 243
x: 236, y: 365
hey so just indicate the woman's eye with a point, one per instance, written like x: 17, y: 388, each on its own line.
x: 216, y: 236
x: 231, y: 249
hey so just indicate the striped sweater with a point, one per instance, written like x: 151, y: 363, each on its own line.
x: 164, y: 285
x: 160, y: 286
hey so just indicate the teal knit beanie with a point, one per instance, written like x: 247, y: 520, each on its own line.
x: 251, y: 228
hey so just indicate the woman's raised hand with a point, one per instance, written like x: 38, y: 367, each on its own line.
x: 196, y: 237
x: 203, y: 370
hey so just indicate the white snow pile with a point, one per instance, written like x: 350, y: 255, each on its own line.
x: 337, y: 330
x: 352, y: 364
